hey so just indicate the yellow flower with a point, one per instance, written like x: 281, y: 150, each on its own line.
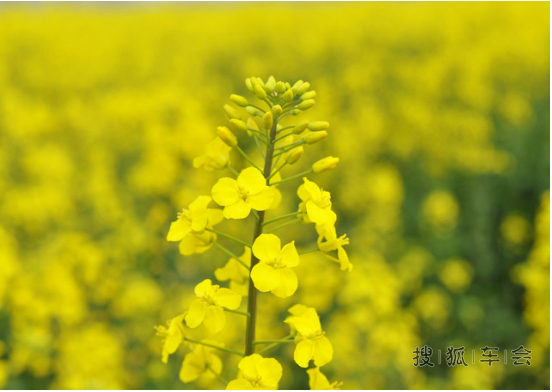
x: 217, y: 156
x: 172, y: 336
x: 195, y: 219
x: 200, y: 362
x: 310, y: 339
x: 332, y: 242
x: 274, y: 271
x: 239, y: 196
x: 316, y: 204
x: 196, y: 243
x: 257, y: 372
x: 208, y: 306
x: 236, y: 273
x: 318, y: 381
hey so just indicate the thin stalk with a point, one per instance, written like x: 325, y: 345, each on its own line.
x: 237, y: 312
x: 308, y: 251
x: 218, y: 376
x: 283, y: 137
x: 228, y: 350
x: 271, y: 346
x: 292, y: 177
x: 258, y: 108
x: 234, y: 171
x: 277, y: 170
x: 229, y: 237
x: 247, y: 158
x: 231, y: 254
x: 289, y: 147
x: 282, y: 217
x: 274, y: 341
x: 259, y: 146
x: 284, y: 225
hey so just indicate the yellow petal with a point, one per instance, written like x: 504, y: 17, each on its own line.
x: 303, y: 353
x: 215, y: 319
x: 225, y: 192
x: 179, y: 229
x: 199, y: 204
x: 248, y: 365
x: 317, y: 380
x: 277, y: 198
x: 214, y: 217
x: 289, y: 255
x: 265, y: 277
x: 227, y: 298
x: 252, y: 180
x: 267, y: 247
x: 344, y: 260
x: 202, y: 288
x: 311, y: 189
x: 199, y: 222
x: 270, y: 372
x: 196, y: 313
x: 192, y: 367
x: 240, y: 384
x: 262, y: 200
x: 239, y: 210
x: 323, y: 351
x: 288, y: 283
x: 320, y: 216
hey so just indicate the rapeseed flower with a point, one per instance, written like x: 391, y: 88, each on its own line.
x: 316, y: 204
x: 200, y: 362
x: 310, y: 339
x: 328, y: 241
x: 238, y: 197
x: 172, y: 336
x: 194, y: 219
x: 318, y: 381
x: 274, y: 271
x: 257, y: 372
x: 217, y: 156
x: 236, y: 273
x: 208, y: 306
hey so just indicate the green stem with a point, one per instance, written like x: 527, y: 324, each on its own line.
x: 283, y: 137
x: 274, y: 341
x: 237, y: 312
x: 272, y: 346
x: 277, y: 170
x: 247, y: 158
x: 228, y: 350
x: 218, y: 376
x: 293, y: 177
x: 259, y: 146
x: 282, y: 217
x: 231, y: 254
x: 289, y: 147
x: 308, y: 251
x: 284, y: 225
x: 229, y: 237
x: 234, y: 171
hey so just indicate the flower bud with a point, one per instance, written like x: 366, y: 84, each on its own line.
x: 260, y: 92
x: 249, y: 85
x: 303, y: 88
x: 318, y: 126
x: 238, y: 125
x: 239, y: 100
x: 231, y: 112
x: 308, y: 95
x: 314, y: 137
x: 280, y: 87
x: 227, y: 136
x: 294, y: 155
x: 277, y: 110
x: 271, y: 83
x: 295, y: 112
x: 288, y: 96
x: 251, y: 110
x: 251, y: 124
x: 268, y: 120
x: 309, y: 103
x: 325, y: 164
x: 296, y: 86
x: 299, y: 128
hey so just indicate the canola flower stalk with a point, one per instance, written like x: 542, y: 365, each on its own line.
x: 268, y: 263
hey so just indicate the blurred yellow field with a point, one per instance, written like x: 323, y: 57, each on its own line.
x: 439, y: 114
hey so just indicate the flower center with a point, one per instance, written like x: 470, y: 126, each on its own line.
x: 277, y: 262
x: 243, y: 192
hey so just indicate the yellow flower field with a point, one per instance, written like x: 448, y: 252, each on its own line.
x: 438, y: 112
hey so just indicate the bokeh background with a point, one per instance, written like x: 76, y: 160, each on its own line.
x: 439, y: 113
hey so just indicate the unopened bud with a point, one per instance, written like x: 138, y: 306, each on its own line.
x: 325, y: 164
x: 319, y: 126
x: 308, y: 95
x: 239, y: 100
x: 249, y: 84
x: 238, y: 125
x: 268, y: 120
x: 309, y: 103
x: 303, y: 88
x: 296, y: 86
x: 231, y: 112
x: 288, y: 96
x: 260, y: 92
x: 277, y: 110
x: 280, y: 87
x: 251, y: 110
x: 299, y: 128
x: 294, y: 155
x: 314, y: 137
x: 271, y: 83
x: 296, y: 112
x: 227, y: 136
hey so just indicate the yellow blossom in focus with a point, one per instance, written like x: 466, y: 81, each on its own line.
x: 208, y: 306
x: 173, y: 336
x: 274, y: 271
x: 236, y: 273
x: 239, y: 196
x: 318, y: 381
x: 257, y: 372
x: 200, y: 362
x: 310, y: 339
x: 217, y: 156
x: 328, y: 241
x: 316, y: 204
x: 194, y: 219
